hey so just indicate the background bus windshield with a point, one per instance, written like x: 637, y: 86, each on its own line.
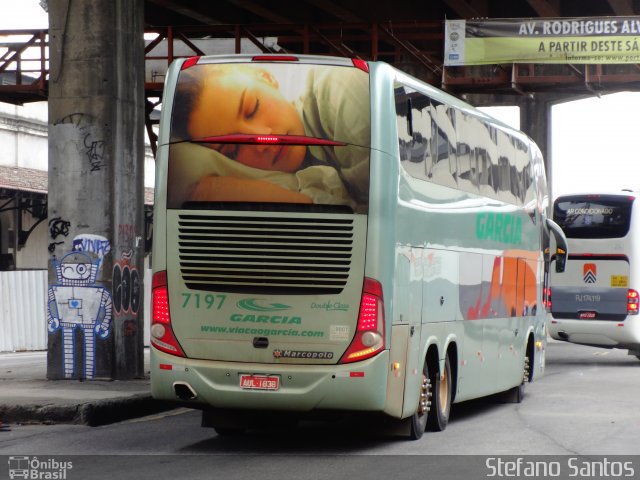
x: 599, y: 216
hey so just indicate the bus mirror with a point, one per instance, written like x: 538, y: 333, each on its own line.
x: 561, y: 245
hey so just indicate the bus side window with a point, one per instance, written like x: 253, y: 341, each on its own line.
x: 414, y: 129
x: 467, y: 169
x: 404, y: 122
x: 504, y: 164
x: 443, y: 151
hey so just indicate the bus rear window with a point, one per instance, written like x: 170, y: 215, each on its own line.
x: 597, y: 216
x: 307, y: 129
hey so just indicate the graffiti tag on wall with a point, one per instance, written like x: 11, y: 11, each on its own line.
x: 57, y: 227
x: 94, y: 149
x: 126, y: 286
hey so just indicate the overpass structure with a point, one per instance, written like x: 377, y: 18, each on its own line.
x: 103, y: 82
x: 404, y: 33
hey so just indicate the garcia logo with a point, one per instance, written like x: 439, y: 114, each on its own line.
x: 499, y: 227
x: 589, y: 273
x: 282, y: 319
x: 259, y: 305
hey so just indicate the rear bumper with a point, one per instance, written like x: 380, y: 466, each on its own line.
x: 359, y: 386
x: 607, y: 334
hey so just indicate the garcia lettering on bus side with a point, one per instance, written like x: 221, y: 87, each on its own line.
x: 499, y: 227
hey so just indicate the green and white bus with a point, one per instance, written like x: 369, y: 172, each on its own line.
x: 333, y: 235
x: 596, y: 301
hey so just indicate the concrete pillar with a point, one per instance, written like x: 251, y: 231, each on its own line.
x: 535, y: 121
x: 96, y: 188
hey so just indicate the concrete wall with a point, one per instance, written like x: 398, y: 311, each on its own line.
x: 23, y: 135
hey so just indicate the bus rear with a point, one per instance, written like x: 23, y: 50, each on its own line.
x: 260, y: 300
x: 595, y: 302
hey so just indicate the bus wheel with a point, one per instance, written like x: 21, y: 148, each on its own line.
x: 419, y: 419
x: 225, y: 423
x: 441, y: 406
x: 516, y: 394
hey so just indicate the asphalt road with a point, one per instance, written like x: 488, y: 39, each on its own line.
x: 586, y: 406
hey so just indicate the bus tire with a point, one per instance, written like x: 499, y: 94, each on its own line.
x: 419, y: 419
x: 441, y: 403
x: 224, y: 422
x: 516, y: 394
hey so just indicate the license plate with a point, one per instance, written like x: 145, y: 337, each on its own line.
x: 259, y: 382
x: 588, y: 315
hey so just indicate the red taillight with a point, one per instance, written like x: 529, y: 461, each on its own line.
x: 632, y: 302
x: 361, y: 64
x: 162, y: 336
x: 189, y: 62
x: 369, y: 337
x: 267, y: 139
x: 546, y: 298
x: 270, y: 139
x: 274, y: 58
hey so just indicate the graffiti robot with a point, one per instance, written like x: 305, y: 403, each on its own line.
x: 77, y: 302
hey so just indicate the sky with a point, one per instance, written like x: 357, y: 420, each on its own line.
x: 595, y: 142
x: 15, y: 14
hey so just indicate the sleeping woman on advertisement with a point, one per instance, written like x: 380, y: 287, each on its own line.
x: 221, y: 99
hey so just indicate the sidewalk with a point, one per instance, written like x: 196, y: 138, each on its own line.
x: 26, y: 396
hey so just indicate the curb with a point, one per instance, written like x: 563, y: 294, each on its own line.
x: 93, y: 414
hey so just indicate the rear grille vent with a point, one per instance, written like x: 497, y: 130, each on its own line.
x: 261, y: 254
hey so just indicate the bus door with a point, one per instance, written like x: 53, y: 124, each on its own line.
x: 406, y: 332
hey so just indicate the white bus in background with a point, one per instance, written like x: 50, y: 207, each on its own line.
x: 595, y: 301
